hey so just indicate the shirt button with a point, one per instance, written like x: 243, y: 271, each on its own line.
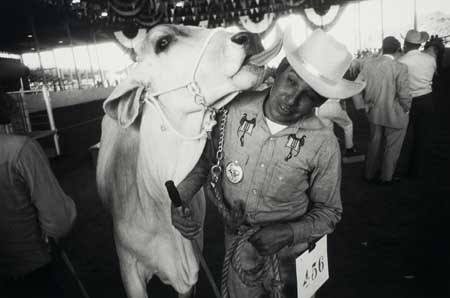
x: 262, y: 165
x: 254, y: 191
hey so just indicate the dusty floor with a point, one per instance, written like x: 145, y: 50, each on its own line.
x: 390, y: 243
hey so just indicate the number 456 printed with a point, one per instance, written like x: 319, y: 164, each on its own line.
x: 312, y: 269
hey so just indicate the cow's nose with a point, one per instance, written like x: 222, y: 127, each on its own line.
x: 241, y: 38
x: 250, y: 41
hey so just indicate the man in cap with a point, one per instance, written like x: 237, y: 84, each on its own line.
x: 280, y: 188
x: 421, y: 68
x: 388, y: 102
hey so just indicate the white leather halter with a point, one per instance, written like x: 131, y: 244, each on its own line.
x: 193, y: 87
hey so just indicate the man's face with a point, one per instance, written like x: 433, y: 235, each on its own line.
x: 290, y: 98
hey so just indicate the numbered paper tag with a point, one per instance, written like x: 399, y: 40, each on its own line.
x: 312, y: 269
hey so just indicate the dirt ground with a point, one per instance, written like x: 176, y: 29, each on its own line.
x: 390, y: 243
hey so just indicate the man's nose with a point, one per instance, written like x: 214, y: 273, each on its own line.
x: 250, y: 41
x: 293, y: 98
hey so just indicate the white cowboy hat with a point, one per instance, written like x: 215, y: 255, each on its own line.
x: 416, y: 37
x: 322, y: 62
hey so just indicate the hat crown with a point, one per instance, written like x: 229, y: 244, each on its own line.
x: 416, y: 37
x: 321, y: 61
x: 329, y: 57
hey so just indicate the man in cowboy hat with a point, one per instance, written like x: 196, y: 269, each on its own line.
x: 421, y: 69
x: 280, y: 188
x: 388, y: 101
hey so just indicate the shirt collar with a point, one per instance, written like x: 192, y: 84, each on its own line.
x: 310, y: 122
x: 389, y: 56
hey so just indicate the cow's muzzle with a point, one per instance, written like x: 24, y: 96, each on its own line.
x: 255, y: 52
x: 250, y: 41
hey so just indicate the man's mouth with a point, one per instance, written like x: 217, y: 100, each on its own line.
x: 285, y: 109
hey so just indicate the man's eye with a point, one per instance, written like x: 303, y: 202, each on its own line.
x: 291, y: 80
x: 162, y: 44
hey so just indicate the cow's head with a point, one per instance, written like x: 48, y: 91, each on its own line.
x: 172, y: 56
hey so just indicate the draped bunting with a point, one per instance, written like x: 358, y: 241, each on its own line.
x: 255, y: 16
x: 309, y: 15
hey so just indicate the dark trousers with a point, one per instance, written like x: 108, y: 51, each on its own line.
x: 40, y: 283
x: 419, y: 135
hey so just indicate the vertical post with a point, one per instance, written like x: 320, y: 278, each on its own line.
x: 69, y: 35
x: 38, y: 49
x: 359, y: 26
x: 90, y: 65
x: 381, y: 16
x: 57, y: 69
x: 51, y: 120
x: 102, y: 76
x: 415, y: 15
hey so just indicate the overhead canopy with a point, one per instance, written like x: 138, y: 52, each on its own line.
x: 26, y: 25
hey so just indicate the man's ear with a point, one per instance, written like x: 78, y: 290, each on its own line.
x: 123, y: 104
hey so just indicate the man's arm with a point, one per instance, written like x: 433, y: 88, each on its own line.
x: 56, y: 211
x: 197, y: 177
x: 187, y: 188
x: 403, y: 91
x: 326, y: 206
x: 325, y: 211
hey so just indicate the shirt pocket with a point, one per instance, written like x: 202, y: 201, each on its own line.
x: 286, y: 183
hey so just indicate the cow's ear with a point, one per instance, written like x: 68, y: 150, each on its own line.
x: 123, y: 104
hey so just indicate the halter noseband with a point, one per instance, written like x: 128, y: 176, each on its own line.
x: 194, y: 88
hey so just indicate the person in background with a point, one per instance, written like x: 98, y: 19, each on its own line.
x: 421, y: 69
x: 32, y: 207
x: 388, y: 101
x: 281, y: 170
x: 332, y: 111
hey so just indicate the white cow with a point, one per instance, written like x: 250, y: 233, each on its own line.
x: 154, y: 131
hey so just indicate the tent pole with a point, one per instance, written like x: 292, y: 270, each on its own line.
x: 69, y: 35
x: 38, y: 49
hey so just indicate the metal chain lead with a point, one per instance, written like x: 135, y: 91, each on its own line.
x: 216, y: 169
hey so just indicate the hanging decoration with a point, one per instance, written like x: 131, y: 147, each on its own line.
x: 324, y: 18
x: 257, y: 27
x: 253, y: 15
x: 130, y: 43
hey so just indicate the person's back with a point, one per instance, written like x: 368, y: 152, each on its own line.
x: 421, y: 68
x: 32, y: 206
x: 383, y: 93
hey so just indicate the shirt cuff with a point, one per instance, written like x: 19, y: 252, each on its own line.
x: 302, y: 232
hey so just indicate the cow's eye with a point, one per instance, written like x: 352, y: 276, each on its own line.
x: 162, y: 44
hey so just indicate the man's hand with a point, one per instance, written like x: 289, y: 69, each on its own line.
x: 188, y: 227
x: 271, y: 239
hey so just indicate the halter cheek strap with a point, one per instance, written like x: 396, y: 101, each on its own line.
x: 193, y: 87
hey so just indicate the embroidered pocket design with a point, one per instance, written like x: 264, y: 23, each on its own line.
x: 294, y: 144
x: 246, y: 127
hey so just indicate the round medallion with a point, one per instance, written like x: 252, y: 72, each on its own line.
x: 234, y: 172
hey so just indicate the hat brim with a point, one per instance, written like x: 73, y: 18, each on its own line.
x: 340, y: 88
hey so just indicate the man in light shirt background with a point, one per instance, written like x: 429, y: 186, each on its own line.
x: 421, y: 69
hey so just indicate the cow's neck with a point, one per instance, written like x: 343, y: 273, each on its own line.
x: 164, y: 155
